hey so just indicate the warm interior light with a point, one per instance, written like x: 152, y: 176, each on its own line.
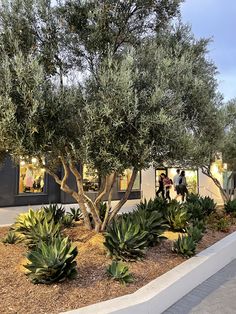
x: 225, y: 166
x: 22, y: 163
x: 34, y: 160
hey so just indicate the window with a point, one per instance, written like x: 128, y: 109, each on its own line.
x: 124, y: 181
x: 91, y: 182
x: 191, y: 178
x: 158, y: 174
x: 31, y: 177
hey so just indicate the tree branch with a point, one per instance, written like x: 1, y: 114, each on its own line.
x: 126, y: 196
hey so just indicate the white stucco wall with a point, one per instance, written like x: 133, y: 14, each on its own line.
x: 205, y: 184
x: 208, y: 188
x: 148, y: 183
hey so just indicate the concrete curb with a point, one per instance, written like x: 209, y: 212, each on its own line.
x: 163, y: 292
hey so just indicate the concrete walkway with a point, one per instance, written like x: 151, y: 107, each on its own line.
x: 8, y: 214
x: 217, y: 295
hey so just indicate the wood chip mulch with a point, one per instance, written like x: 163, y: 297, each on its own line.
x: 92, y: 285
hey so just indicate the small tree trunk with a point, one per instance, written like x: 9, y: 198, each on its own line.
x: 207, y: 172
x: 104, y: 224
x: 126, y: 196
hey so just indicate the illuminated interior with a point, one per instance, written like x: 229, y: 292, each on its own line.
x: 125, y: 179
x: 91, y: 181
x: 31, y: 177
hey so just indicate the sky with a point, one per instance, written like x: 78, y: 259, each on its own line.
x: 216, y: 19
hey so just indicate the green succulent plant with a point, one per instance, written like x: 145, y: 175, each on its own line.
x: 195, y: 211
x: 76, y: 213
x: 152, y: 222
x: 200, y: 224
x: 25, y: 221
x: 185, y: 245
x: 56, y: 211
x: 195, y: 233
x: 67, y: 220
x: 157, y: 204
x: 120, y: 272
x: 11, y: 237
x: 177, y: 216
x: 52, y: 262
x: 230, y: 206
x: 125, y: 239
x: 208, y: 205
x: 223, y: 224
x: 42, y: 232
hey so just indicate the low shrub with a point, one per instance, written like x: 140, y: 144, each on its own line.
x: 52, y: 262
x: 11, y: 237
x: 76, y: 213
x: 152, y: 222
x: 223, y: 224
x: 42, y: 232
x: 56, y: 211
x: 67, y: 220
x: 118, y: 271
x: 195, y: 211
x: 200, y: 207
x: 195, y: 233
x: 230, y: 206
x: 102, y: 207
x: 200, y: 224
x: 157, y: 204
x: 185, y: 245
x: 25, y: 221
x: 125, y: 239
x: 177, y: 216
x: 208, y: 205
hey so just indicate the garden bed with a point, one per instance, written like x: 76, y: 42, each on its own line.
x: 92, y: 285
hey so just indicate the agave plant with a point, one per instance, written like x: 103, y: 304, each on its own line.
x: 42, y: 232
x: 118, y: 271
x: 200, y: 224
x: 67, y: 220
x: 185, y: 245
x: 195, y: 233
x: 195, y: 211
x: 177, y: 216
x: 52, y: 262
x: 125, y: 239
x: 208, y: 205
x: 11, y: 237
x: 26, y: 221
x: 56, y: 211
x: 76, y: 213
x: 152, y: 222
x: 230, y: 206
x: 158, y: 204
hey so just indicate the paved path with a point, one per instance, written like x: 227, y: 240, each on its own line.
x: 217, y: 295
x: 8, y: 214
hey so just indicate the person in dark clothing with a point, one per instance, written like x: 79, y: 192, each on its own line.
x: 167, y: 186
x: 161, y: 187
x: 183, y: 185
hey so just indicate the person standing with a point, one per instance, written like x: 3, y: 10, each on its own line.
x: 183, y: 185
x: 176, y: 183
x: 161, y: 187
x: 167, y: 186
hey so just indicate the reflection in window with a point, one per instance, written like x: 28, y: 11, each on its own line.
x: 31, y: 177
x: 91, y: 181
x: 124, y: 181
x: 191, y: 178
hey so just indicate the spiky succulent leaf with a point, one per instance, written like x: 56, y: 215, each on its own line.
x: 120, y: 272
x: 185, y: 245
x: 52, y: 262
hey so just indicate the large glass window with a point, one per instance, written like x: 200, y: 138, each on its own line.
x: 31, y: 177
x: 91, y: 182
x: 191, y: 178
x: 125, y: 179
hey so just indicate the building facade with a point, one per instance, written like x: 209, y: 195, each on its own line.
x: 28, y: 184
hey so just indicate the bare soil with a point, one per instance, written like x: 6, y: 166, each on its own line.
x: 92, y: 285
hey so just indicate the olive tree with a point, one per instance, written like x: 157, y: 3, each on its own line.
x: 144, y: 93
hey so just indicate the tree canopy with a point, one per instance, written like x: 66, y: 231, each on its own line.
x: 110, y: 84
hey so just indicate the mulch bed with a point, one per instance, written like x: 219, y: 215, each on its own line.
x: 19, y: 295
